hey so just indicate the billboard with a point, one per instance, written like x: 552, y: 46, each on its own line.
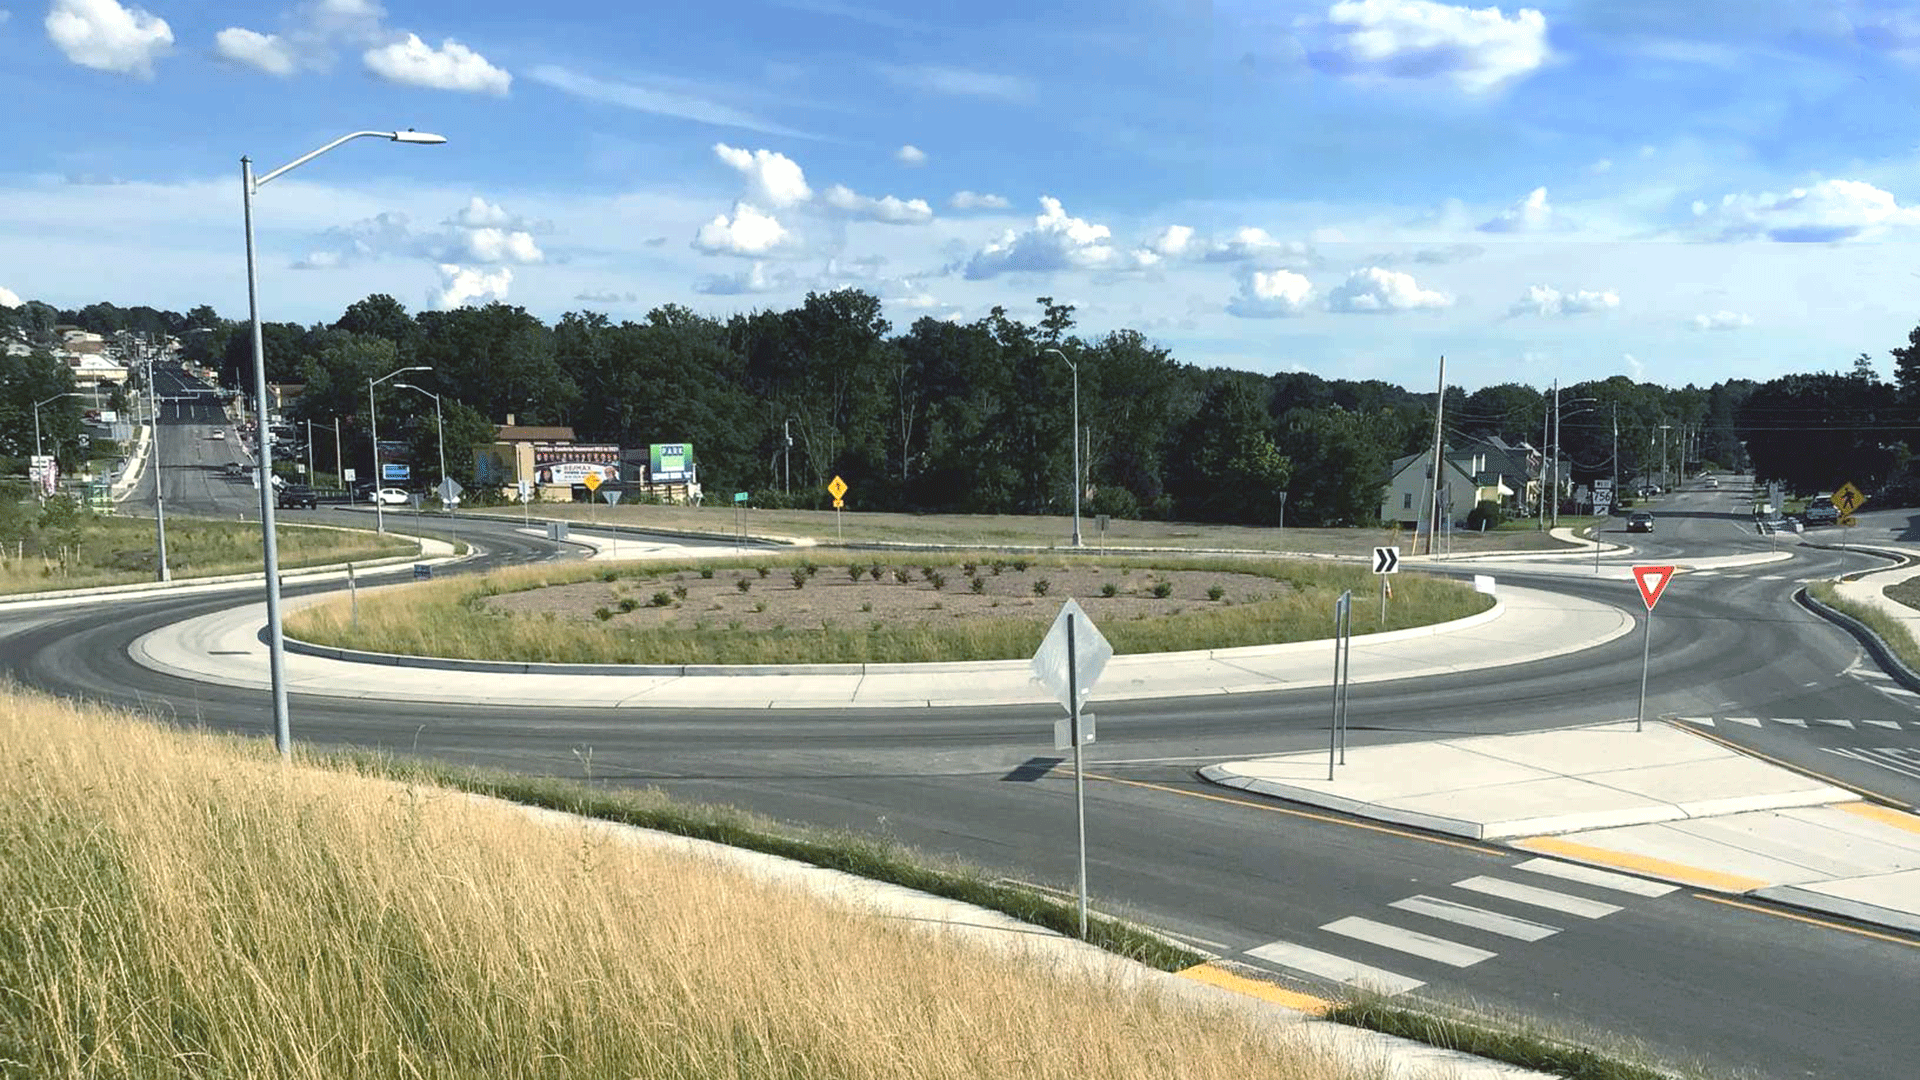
x: 395, y: 470
x: 669, y: 462
x: 572, y: 463
x: 43, y: 473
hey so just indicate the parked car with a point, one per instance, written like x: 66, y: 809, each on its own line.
x: 221, y: 435
x: 389, y: 496
x: 295, y: 497
x: 1820, y: 512
x: 1641, y: 521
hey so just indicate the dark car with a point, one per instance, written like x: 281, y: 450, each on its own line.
x: 1641, y: 521
x: 295, y: 497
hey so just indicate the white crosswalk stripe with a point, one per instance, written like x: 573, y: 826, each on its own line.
x: 1409, y: 941
x: 1478, y: 918
x: 1790, y: 721
x: 1897, y: 691
x: 1591, y: 875
x: 1750, y: 721
x: 1703, y: 721
x: 1894, y: 724
x: 1538, y: 897
x: 1836, y: 723
x: 1337, y: 968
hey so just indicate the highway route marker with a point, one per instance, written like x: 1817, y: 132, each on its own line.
x: 1069, y: 662
x: 1652, y: 581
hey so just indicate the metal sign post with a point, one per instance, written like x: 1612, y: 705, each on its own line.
x: 838, y: 489
x: 1342, y: 661
x: 1652, y: 581
x: 1069, y: 661
x: 1386, y: 560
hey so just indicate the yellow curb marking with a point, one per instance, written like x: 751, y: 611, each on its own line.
x: 1645, y: 864
x: 1265, y: 991
x: 1909, y: 942
x: 1885, y: 815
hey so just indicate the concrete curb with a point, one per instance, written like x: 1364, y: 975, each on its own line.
x: 136, y: 465
x: 959, y: 667
x: 1875, y: 645
x: 1819, y: 903
x: 1534, y: 826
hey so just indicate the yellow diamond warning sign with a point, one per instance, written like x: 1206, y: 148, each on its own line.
x: 838, y: 489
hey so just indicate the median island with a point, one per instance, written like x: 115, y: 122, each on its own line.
x: 864, y: 607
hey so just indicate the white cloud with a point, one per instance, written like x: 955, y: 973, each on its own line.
x: 1639, y: 369
x: 1172, y: 241
x: 747, y: 232
x: 1477, y: 50
x: 606, y: 296
x: 772, y: 178
x: 1601, y: 166
x: 910, y: 155
x: 1373, y: 289
x: 673, y: 101
x: 9, y: 298
x: 1056, y: 242
x: 385, y: 233
x: 754, y: 279
x: 1831, y: 210
x: 1271, y: 294
x: 886, y: 208
x: 462, y: 285
x: 452, y: 66
x: 960, y: 82
x: 501, y: 246
x: 971, y: 200
x: 479, y: 213
x: 1531, y: 214
x: 1546, y: 300
x: 1720, y: 320
x: 265, y: 52
x: 4, y: 16
x: 1253, y: 243
x: 102, y: 35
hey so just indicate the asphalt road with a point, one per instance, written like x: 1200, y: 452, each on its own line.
x: 1689, y: 978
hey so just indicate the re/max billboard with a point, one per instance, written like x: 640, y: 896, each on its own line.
x: 569, y: 463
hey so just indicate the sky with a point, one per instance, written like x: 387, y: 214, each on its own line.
x: 1677, y: 192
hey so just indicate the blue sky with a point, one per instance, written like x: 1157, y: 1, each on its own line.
x: 1678, y: 192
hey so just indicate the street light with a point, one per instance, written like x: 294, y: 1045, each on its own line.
x: 1076, y: 440
x: 439, y: 437
x: 276, y: 647
x: 159, y: 496
x: 38, y: 449
x: 373, y: 425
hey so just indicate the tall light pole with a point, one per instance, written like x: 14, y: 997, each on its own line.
x: 787, y: 430
x: 159, y: 496
x: 38, y: 449
x: 373, y: 426
x: 439, y: 437
x: 276, y: 647
x: 1664, y: 474
x: 1076, y: 440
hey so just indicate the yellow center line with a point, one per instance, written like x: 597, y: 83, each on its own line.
x: 1265, y: 991
x: 1885, y: 815
x: 1645, y: 864
x: 1801, y: 769
x: 1310, y: 816
x: 1876, y: 935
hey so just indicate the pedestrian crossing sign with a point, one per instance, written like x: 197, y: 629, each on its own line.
x: 1847, y: 499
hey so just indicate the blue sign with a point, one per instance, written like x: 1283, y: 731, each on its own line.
x: 392, y: 471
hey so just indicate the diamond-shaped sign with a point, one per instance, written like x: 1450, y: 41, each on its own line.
x: 838, y: 489
x: 1091, y: 653
x: 1652, y: 581
x: 450, y: 490
x: 592, y: 481
x: 1847, y: 499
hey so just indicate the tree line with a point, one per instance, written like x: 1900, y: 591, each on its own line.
x: 976, y: 417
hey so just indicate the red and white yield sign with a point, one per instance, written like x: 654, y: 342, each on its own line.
x: 1652, y: 581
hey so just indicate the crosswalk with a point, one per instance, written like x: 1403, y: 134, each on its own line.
x: 1805, y: 723
x: 1423, y: 935
x: 1883, y: 682
x: 1895, y: 759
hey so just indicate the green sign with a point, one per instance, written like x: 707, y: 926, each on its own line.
x: 669, y: 462
x: 739, y: 496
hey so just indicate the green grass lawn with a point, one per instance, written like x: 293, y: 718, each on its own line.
x: 1020, y: 530
x: 105, y: 550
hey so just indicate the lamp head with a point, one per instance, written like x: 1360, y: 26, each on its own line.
x: 422, y: 137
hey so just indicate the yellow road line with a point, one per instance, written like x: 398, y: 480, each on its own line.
x: 1885, y: 815
x: 1789, y: 766
x: 1645, y: 864
x: 1843, y: 927
x: 1265, y: 991
x: 1310, y: 816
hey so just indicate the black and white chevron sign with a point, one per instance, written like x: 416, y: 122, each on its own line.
x: 1386, y: 560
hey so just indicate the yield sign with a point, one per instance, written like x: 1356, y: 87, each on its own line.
x: 1652, y: 581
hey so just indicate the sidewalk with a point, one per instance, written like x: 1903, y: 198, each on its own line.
x: 1661, y: 803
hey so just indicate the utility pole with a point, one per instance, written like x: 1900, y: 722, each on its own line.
x: 1616, y: 452
x: 159, y: 496
x: 1546, y: 420
x: 339, y: 473
x: 309, y: 450
x: 787, y: 430
x: 1439, y: 420
x: 1556, y: 453
x: 1665, y: 472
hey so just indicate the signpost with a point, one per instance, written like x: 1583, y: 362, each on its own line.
x: 1652, y: 581
x: 592, y: 481
x: 739, y: 525
x: 1069, y: 662
x: 1847, y: 500
x: 1100, y: 522
x: 838, y: 489
x: 1342, y: 671
x: 1386, y: 560
x: 526, y: 500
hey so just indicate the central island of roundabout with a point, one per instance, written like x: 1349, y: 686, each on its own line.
x: 837, y: 629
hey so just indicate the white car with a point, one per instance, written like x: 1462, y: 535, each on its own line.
x: 221, y: 435
x: 389, y: 496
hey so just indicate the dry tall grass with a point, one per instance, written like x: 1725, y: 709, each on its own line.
x: 177, y: 904
x: 118, y: 551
